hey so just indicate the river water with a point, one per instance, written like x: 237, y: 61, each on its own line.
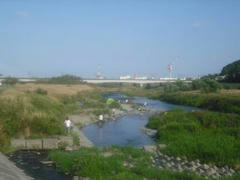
x: 122, y: 131
x: 30, y: 162
x: 126, y: 130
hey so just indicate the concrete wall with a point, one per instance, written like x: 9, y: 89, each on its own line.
x: 45, y: 143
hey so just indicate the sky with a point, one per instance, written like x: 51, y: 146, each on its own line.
x: 45, y: 38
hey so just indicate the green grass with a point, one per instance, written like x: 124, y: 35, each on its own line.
x: 41, y: 115
x: 214, y: 101
x: 211, y: 137
x: 90, y: 162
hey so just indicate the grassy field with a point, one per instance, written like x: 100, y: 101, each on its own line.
x: 225, y: 101
x: 114, y: 163
x: 54, y: 90
x: 211, y: 137
x: 38, y: 110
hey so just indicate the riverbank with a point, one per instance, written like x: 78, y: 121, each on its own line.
x: 9, y: 171
x: 211, y: 137
x: 227, y: 101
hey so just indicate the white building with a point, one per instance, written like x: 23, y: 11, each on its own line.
x: 168, y: 79
x: 125, y: 77
x: 141, y: 78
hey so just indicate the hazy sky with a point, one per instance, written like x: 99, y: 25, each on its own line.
x: 53, y: 37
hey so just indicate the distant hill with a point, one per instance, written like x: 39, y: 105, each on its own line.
x: 231, y: 72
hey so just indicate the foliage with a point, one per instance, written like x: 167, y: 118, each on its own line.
x: 41, y: 91
x: 211, y: 137
x: 10, y: 81
x: 113, y: 104
x: 148, y: 86
x: 65, y: 79
x: 232, y: 72
x: 210, y: 85
x: 171, y: 87
x: 206, y: 85
x: 122, y: 163
x: 226, y: 85
x: 213, y: 101
x: 210, y: 76
x: 42, y: 115
x: 176, y: 86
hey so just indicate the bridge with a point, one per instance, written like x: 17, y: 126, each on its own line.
x: 101, y: 81
x: 133, y: 81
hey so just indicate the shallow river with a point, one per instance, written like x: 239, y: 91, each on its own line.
x: 126, y: 130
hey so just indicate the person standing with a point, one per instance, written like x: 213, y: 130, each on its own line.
x: 68, y: 124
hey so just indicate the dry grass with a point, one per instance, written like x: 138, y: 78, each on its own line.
x: 52, y: 89
x: 231, y: 91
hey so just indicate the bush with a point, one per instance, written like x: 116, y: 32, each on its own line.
x: 10, y: 81
x: 66, y: 79
x: 41, y: 91
x: 206, y: 85
x: 210, y: 85
x: 115, y: 104
x: 170, y: 87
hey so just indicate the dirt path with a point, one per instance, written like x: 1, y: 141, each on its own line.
x: 83, y: 120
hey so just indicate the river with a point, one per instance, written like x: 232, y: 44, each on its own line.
x: 123, y: 131
x: 126, y: 131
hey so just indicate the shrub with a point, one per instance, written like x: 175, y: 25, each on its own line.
x: 210, y: 85
x: 115, y: 104
x: 10, y: 81
x: 170, y: 87
x: 41, y: 91
x: 65, y: 79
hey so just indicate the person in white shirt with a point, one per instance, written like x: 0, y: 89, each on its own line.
x: 68, y: 124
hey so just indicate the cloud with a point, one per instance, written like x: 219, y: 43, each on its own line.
x: 22, y: 13
x: 196, y: 24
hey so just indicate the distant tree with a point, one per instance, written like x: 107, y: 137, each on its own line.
x: 183, y: 86
x: 10, y: 81
x: 66, y: 79
x: 210, y: 85
x: 210, y: 76
x: 231, y: 72
x: 206, y: 85
x: 197, y: 84
x: 148, y: 86
x: 170, y: 87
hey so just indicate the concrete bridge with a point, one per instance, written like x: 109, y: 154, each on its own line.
x: 133, y: 81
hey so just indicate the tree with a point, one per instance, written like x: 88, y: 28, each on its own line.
x: 210, y: 85
x: 231, y: 72
x: 66, y: 79
x: 10, y: 81
x: 206, y: 85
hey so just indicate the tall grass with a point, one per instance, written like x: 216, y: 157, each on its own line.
x: 209, y: 136
x: 40, y: 114
x: 215, y: 101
